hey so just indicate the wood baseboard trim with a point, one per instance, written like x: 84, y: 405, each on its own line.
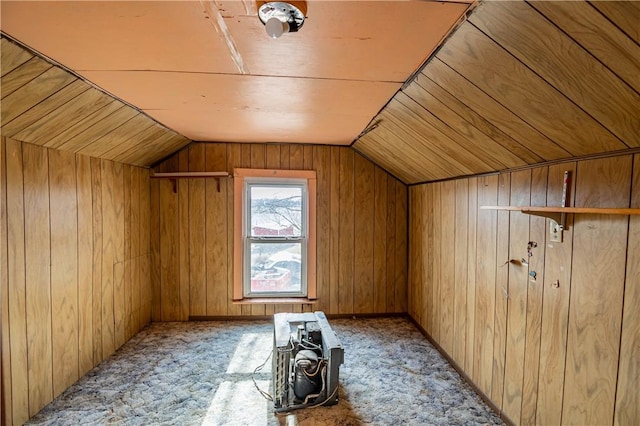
x: 462, y: 373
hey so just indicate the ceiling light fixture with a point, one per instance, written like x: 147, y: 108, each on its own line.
x: 280, y: 17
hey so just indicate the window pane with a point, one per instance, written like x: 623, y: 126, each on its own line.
x: 276, y: 210
x: 276, y: 267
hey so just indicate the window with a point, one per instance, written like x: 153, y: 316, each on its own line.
x: 274, y: 234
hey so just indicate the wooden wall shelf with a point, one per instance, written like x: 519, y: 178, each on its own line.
x: 584, y: 210
x: 189, y: 175
x: 558, y: 215
x: 186, y: 175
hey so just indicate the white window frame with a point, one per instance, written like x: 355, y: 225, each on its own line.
x: 244, y: 179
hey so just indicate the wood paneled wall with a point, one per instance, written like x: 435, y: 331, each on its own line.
x: 76, y: 284
x: 361, y: 238
x: 551, y: 338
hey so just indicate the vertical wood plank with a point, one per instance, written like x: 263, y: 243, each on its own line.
x: 233, y: 160
x: 146, y: 273
x: 85, y: 263
x: 17, y: 405
x: 197, y: 221
x: 37, y: 276
x: 485, y: 285
x: 391, y: 244
x: 518, y: 279
x: 334, y: 253
x: 108, y: 257
x: 183, y: 237
x: 471, y: 275
x: 597, y: 288
x: 461, y: 244
x: 64, y: 268
x: 127, y: 287
x: 415, y: 274
x: 118, y: 250
x: 537, y: 233
x: 169, y: 246
x: 5, y: 344
x: 628, y: 394
x: 135, y: 250
x: 307, y: 164
x: 501, y: 286
x: 380, y: 241
x: 96, y: 267
x: 364, y: 234
x: 555, y: 304
x: 447, y: 267
x: 346, y: 232
x: 400, y: 281
x: 296, y: 157
x: 322, y: 165
x: 425, y: 221
x: 435, y: 227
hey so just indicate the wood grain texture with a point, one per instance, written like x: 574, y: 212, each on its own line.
x: 535, y: 145
x: 537, y: 233
x: 461, y: 246
x: 560, y: 351
x: 85, y: 263
x: 96, y: 203
x: 335, y: 168
x: 624, y: 14
x: 12, y: 56
x: 488, y: 152
x: 392, y: 242
x: 501, y: 292
x: 18, y: 389
x: 416, y: 305
x: 447, y: 266
x: 63, y: 204
x: 44, y: 107
x: 401, y: 243
x: 197, y: 220
x: 216, y: 232
x: 573, y: 71
x: 435, y: 252
x: 346, y: 246
x: 471, y: 276
x: 66, y: 246
x: 528, y: 95
x: 518, y: 283
x: 597, y: 288
x: 322, y: 164
x: 627, y: 411
x: 183, y: 239
x: 364, y: 232
x: 5, y: 359
x: 467, y: 121
x: 23, y: 74
x: 617, y: 51
x: 33, y: 92
x: 380, y: 242
x: 37, y: 278
x: 485, y: 286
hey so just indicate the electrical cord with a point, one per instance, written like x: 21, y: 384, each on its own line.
x: 264, y: 394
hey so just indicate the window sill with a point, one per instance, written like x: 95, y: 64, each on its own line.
x: 274, y: 301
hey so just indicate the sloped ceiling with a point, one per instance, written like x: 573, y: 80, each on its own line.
x: 519, y: 83
x: 208, y: 70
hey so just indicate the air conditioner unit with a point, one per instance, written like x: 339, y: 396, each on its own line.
x: 307, y: 355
